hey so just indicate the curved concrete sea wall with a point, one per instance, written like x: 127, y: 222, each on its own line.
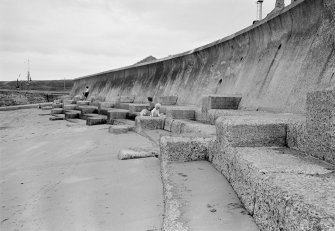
x: 272, y: 64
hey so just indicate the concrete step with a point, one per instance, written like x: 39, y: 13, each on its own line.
x: 72, y: 114
x: 220, y: 102
x: 181, y: 112
x: 197, y: 197
x: 96, y: 120
x: 88, y: 109
x: 135, y: 107
x: 69, y: 101
x: 69, y: 106
x: 55, y: 111
x: 115, y: 113
x: 83, y: 103
x: 57, y: 117
x: 283, y: 189
x: 151, y: 123
x: 46, y: 108
x: 85, y: 116
x: 168, y: 100
x: 188, y: 126
x: 57, y: 105
x: 124, y: 106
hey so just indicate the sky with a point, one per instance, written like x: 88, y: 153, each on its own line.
x: 66, y: 39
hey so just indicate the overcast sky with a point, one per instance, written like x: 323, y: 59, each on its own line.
x: 73, y: 38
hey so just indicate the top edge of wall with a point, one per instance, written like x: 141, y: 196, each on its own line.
x: 268, y: 18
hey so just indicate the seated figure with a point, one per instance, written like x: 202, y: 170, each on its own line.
x: 155, y: 111
x: 146, y: 112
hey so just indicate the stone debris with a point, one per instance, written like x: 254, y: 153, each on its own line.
x: 133, y: 154
x: 120, y: 129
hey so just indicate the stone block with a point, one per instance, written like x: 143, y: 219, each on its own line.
x: 119, y: 129
x: 244, y: 131
x: 106, y: 105
x: 56, y: 117
x: 86, y: 116
x: 55, y: 111
x: 134, y: 107
x: 126, y: 99
x: 180, y: 113
x: 83, y: 103
x: 320, y: 125
x: 69, y: 107
x: 103, y: 111
x: 150, y: 123
x: 296, y: 134
x: 184, y: 148
x: 46, y: 108
x: 220, y: 102
x: 124, y: 106
x: 57, y: 105
x: 96, y: 120
x: 68, y: 101
x: 72, y: 114
x: 88, y: 109
x: 116, y: 114
x: 168, y: 100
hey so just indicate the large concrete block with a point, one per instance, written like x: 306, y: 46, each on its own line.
x: 106, y: 105
x: 184, y: 148
x: 126, y: 99
x: 168, y: 100
x: 134, y: 107
x: 69, y: 107
x: 220, y: 102
x: 252, y: 131
x: 83, y: 103
x: 55, y: 111
x: 124, y: 106
x: 116, y: 114
x: 68, y: 101
x: 320, y: 125
x: 72, y: 114
x: 296, y: 134
x: 150, y: 123
x: 57, y: 105
x: 180, y: 113
x: 88, y: 109
x: 96, y: 120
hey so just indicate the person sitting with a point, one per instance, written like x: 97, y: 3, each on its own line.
x: 146, y: 111
x: 87, y: 91
x: 155, y: 111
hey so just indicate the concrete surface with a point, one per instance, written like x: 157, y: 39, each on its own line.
x: 168, y: 100
x: 320, y: 125
x: 119, y: 129
x: 136, y: 107
x: 147, y: 122
x: 220, y: 102
x: 57, y: 105
x: 199, y: 198
x: 188, y: 126
x: 57, y: 175
x: 180, y: 113
x: 69, y: 107
x: 272, y: 64
x: 55, y: 111
x: 127, y: 154
x: 114, y: 113
x: 96, y: 120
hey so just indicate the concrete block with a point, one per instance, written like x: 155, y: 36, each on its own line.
x: 116, y: 114
x: 119, y: 129
x: 150, y: 123
x: 220, y: 102
x: 243, y: 131
x: 46, y: 108
x: 168, y: 100
x: 78, y: 98
x: 88, y: 109
x: 106, y: 105
x: 72, y: 114
x: 281, y: 188
x: 124, y: 106
x: 127, y: 154
x: 126, y: 99
x: 184, y: 148
x: 103, y: 111
x: 68, y: 101
x: 96, y: 120
x: 86, y: 116
x: 57, y: 105
x: 69, y: 107
x: 53, y: 118
x: 296, y: 134
x: 168, y: 124
x: 180, y: 113
x: 133, y: 107
x: 320, y: 125
x: 55, y: 111
x: 83, y: 103
x: 57, y: 101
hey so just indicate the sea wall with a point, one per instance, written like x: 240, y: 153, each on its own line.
x: 272, y: 64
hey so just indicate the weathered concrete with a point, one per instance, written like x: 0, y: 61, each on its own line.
x: 184, y: 148
x: 188, y: 126
x: 127, y: 154
x: 147, y: 122
x: 88, y: 109
x: 296, y: 134
x: 198, y: 198
x: 124, y: 106
x: 68, y: 101
x: 272, y: 64
x: 106, y: 105
x: 116, y: 114
x: 119, y: 129
x: 282, y: 189
x: 320, y: 125
x: 55, y: 111
x: 83, y: 103
x: 135, y: 107
x: 96, y: 120
x: 180, y: 113
x: 69, y: 107
x: 220, y: 102
x: 57, y: 105
x: 168, y: 100
x: 72, y: 114
x: 251, y: 131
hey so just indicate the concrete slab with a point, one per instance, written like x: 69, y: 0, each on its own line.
x: 181, y: 148
x: 180, y: 113
x: 57, y: 105
x: 220, y: 102
x: 120, y: 129
x: 72, y: 114
x: 188, y: 126
x: 124, y: 106
x: 69, y: 107
x: 88, y: 109
x: 106, y: 105
x: 96, y: 120
x: 281, y: 188
x: 168, y: 100
x: 251, y: 131
x: 68, y: 101
x: 83, y: 103
x: 320, y: 125
x: 198, y: 198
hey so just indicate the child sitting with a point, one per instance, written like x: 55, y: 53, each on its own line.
x: 151, y: 106
x: 155, y: 111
